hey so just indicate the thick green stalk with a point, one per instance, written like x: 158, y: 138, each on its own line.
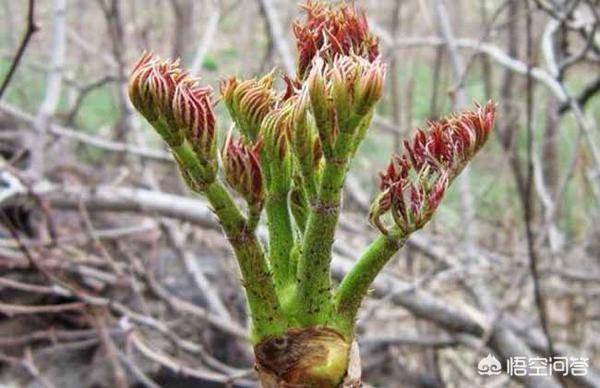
x: 260, y: 290
x: 314, y: 288
x: 281, y: 238
x: 356, y: 283
x: 267, y: 319
x: 194, y: 173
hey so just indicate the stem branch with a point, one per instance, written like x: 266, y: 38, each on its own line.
x: 267, y: 319
x: 281, y: 239
x: 356, y: 283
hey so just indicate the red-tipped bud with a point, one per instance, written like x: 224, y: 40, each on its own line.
x: 174, y: 104
x: 305, y: 141
x: 330, y: 31
x: 322, y: 108
x: 369, y: 86
x: 139, y: 85
x: 249, y: 102
x: 151, y: 88
x: 342, y: 77
x: 342, y: 95
x: 194, y: 117
x: 274, y: 136
x: 241, y: 166
x: 356, y: 85
x: 275, y: 132
x: 415, y: 182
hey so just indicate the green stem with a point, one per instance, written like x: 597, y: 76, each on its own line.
x: 260, y: 290
x: 254, y: 212
x: 266, y: 315
x: 314, y: 288
x: 308, y: 175
x: 281, y: 238
x: 195, y: 174
x: 356, y: 283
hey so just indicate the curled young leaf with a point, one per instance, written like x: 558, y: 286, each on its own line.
x: 305, y: 142
x: 343, y: 94
x: 249, y: 102
x: 151, y: 88
x: 275, y: 151
x: 329, y: 31
x: 415, y: 182
x: 242, y: 170
x: 194, y: 116
x: 176, y: 106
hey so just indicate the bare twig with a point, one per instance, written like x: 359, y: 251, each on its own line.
x: 275, y: 31
x: 14, y: 309
x: 191, y: 264
x: 528, y: 205
x: 494, y: 52
x: 99, y: 320
x: 29, y: 364
x: 584, y: 123
x: 91, y: 140
x: 29, y: 31
x: 54, y: 82
x: 178, y: 367
x: 52, y: 335
x: 434, y: 342
x: 84, y: 91
x: 207, y: 39
x: 588, y: 92
x: 188, y: 308
x: 394, y: 81
x: 418, y: 302
x: 17, y: 285
x: 129, y: 363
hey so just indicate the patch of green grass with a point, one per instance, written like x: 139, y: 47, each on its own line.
x: 98, y: 109
x: 423, y: 79
x: 210, y: 63
x: 229, y: 53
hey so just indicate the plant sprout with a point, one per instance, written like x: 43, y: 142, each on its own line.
x: 287, y: 159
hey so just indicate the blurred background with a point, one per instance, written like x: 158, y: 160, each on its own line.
x: 113, y: 275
